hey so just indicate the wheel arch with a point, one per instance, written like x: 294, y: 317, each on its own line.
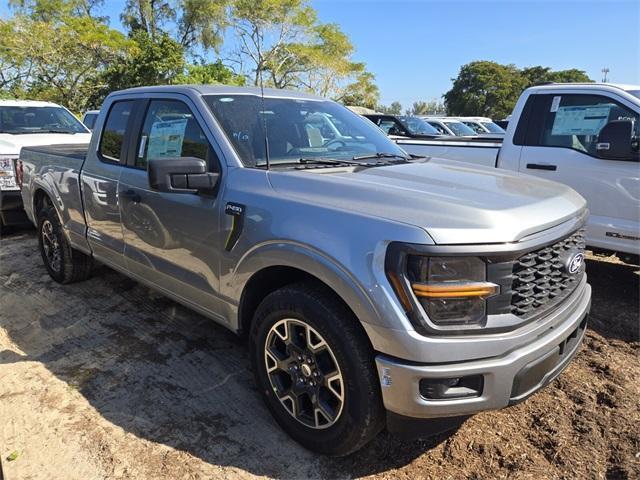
x: 279, y: 266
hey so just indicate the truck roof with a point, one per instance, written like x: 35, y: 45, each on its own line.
x: 222, y: 90
x: 587, y: 86
x: 26, y: 103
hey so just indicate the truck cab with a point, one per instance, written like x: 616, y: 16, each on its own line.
x: 27, y: 123
x: 585, y: 136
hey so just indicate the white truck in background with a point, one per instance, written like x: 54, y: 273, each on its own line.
x: 582, y: 135
x: 27, y: 123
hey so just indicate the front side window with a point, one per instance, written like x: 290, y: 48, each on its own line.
x: 89, y: 120
x: 114, y: 130
x: 295, y: 129
x: 169, y: 131
x: 574, y: 120
x: 25, y: 120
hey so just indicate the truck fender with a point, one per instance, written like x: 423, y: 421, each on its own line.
x: 308, y: 260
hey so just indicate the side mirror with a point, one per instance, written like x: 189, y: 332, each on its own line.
x: 181, y: 175
x: 615, y: 140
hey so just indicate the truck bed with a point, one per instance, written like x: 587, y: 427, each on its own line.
x: 477, y: 150
x: 70, y: 151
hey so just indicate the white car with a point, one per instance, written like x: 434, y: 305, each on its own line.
x: 483, y: 126
x: 29, y: 123
x: 450, y: 126
x: 89, y: 118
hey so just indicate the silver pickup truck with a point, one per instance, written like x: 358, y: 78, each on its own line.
x: 374, y: 288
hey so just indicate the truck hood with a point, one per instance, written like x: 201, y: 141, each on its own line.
x: 454, y: 203
x: 11, y: 144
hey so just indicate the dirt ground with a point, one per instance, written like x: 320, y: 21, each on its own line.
x: 107, y: 379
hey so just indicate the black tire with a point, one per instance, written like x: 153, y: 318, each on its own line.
x: 64, y: 264
x: 361, y: 415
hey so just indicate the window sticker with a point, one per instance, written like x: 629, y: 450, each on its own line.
x: 166, y: 138
x: 555, y: 103
x: 587, y: 120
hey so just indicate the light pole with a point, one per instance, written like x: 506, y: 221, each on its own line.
x: 605, y: 70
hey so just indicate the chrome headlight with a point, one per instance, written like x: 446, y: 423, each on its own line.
x: 8, y: 173
x: 441, y: 293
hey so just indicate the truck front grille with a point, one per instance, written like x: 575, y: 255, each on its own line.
x: 541, y: 278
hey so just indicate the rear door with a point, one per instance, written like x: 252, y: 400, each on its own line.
x: 172, y: 239
x: 100, y: 184
x: 560, y: 145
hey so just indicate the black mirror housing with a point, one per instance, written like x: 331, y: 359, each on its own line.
x: 615, y: 140
x: 181, y: 175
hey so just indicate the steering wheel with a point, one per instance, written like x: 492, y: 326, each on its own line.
x: 335, y: 141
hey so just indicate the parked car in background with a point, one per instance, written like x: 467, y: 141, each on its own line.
x: 89, y: 118
x: 583, y: 135
x: 27, y: 123
x: 403, y: 126
x: 504, y: 123
x: 450, y: 126
x: 374, y: 288
x: 483, y: 126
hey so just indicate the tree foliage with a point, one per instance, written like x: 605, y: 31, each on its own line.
x: 209, y: 74
x: 394, y: 109
x: 363, y: 92
x: 57, y: 59
x: 490, y: 89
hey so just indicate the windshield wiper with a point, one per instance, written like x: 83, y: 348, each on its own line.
x: 57, y: 131
x: 381, y: 155
x: 327, y: 161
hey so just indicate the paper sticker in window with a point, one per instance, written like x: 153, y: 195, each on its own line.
x: 587, y: 120
x: 166, y: 138
x: 555, y: 103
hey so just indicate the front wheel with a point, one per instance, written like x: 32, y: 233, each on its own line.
x: 315, y: 369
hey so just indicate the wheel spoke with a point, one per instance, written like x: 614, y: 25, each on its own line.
x: 297, y: 360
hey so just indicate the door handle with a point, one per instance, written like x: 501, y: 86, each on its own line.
x: 131, y: 195
x: 542, y: 166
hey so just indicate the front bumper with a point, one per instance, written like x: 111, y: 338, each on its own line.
x: 11, y: 208
x: 506, y: 380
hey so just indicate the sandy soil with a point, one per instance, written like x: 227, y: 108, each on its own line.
x: 107, y: 379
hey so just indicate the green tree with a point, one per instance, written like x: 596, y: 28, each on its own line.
x: 538, y: 75
x: 394, y: 109
x: 195, y: 22
x: 57, y: 59
x: 152, y: 61
x: 283, y: 43
x: 363, y: 92
x: 485, y: 88
x: 490, y: 89
x: 209, y: 73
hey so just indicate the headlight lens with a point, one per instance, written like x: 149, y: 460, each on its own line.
x: 452, y: 291
x: 7, y: 174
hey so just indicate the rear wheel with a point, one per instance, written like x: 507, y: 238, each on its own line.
x: 315, y: 369
x: 64, y: 264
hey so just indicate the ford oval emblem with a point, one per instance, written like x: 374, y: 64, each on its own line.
x: 574, y: 262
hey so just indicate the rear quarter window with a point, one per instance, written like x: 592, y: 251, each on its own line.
x: 113, y: 133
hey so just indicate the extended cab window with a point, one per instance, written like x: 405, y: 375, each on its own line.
x: 575, y: 120
x: 114, y: 129
x: 169, y: 131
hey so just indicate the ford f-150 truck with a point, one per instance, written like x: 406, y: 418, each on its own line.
x: 26, y: 123
x: 374, y: 288
x: 583, y: 135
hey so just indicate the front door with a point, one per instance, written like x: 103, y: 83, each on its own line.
x: 562, y: 147
x: 172, y: 239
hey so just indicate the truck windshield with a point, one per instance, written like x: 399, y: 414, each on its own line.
x: 296, y: 129
x: 24, y: 120
x: 417, y: 126
x: 460, y: 129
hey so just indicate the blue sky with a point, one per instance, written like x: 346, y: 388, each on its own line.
x: 415, y: 47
